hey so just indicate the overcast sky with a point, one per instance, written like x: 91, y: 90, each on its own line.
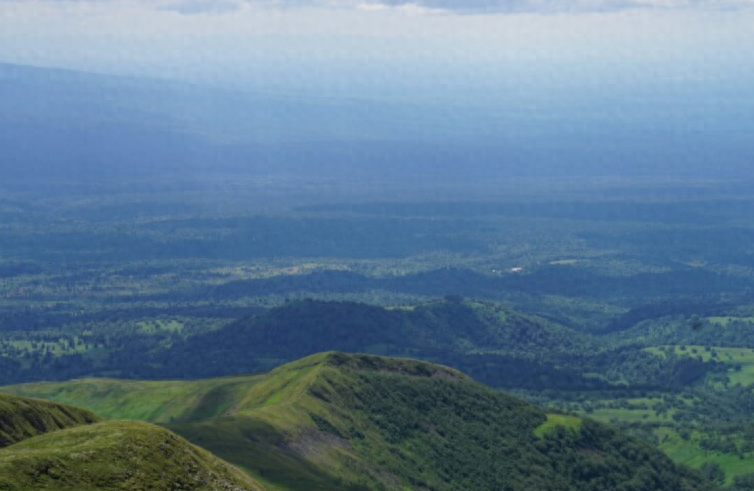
x: 378, y: 45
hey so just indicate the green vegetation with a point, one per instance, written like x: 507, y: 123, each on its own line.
x: 115, y: 456
x: 302, y: 328
x: 740, y: 361
x: 122, y: 274
x: 358, y: 422
x: 159, y: 285
x: 157, y: 402
x: 44, y: 445
x: 22, y: 418
x: 724, y: 321
x: 556, y: 421
x: 703, y: 425
x: 491, y: 343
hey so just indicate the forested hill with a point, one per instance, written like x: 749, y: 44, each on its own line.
x: 438, y: 331
x: 405, y: 424
x: 493, y: 344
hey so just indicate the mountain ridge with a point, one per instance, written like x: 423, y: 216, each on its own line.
x: 358, y: 422
x: 22, y: 418
x: 56, y: 447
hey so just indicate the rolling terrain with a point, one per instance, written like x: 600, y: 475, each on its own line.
x: 48, y: 446
x: 153, y: 401
x: 359, y: 422
x: 495, y: 345
x: 299, y: 329
x: 115, y: 456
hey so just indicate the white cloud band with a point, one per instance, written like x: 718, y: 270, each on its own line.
x: 447, y: 6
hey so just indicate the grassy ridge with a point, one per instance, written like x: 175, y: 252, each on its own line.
x: 153, y: 401
x: 22, y: 418
x: 335, y: 422
x: 116, y: 456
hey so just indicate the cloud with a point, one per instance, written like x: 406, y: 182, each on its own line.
x: 193, y: 7
x: 190, y: 7
x: 554, y: 6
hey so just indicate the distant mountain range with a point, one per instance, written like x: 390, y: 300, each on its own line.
x: 75, y: 125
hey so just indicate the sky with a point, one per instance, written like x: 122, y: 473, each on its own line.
x: 391, y: 48
x: 601, y: 85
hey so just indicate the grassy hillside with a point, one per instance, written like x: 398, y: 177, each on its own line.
x: 153, y: 401
x: 359, y: 423
x: 22, y: 418
x: 402, y: 424
x: 116, y: 456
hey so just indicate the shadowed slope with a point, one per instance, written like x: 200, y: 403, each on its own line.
x: 22, y: 418
x: 357, y: 422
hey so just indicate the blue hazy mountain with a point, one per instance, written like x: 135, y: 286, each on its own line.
x: 65, y: 123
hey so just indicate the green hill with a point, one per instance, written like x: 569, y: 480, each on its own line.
x: 491, y: 343
x: 301, y: 328
x: 22, y: 418
x: 498, y: 346
x: 116, y: 456
x: 153, y: 401
x: 340, y: 422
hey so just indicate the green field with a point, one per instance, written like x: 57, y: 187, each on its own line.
x: 724, y: 321
x: 683, y: 451
x: 55, y: 348
x: 555, y: 421
x: 741, y: 360
x: 654, y: 418
x: 160, y: 325
x: 688, y: 453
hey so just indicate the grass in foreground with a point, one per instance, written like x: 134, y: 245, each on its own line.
x: 22, y: 418
x: 116, y: 456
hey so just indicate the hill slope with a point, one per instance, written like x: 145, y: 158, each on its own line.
x: 495, y: 345
x: 340, y: 422
x: 378, y: 423
x: 153, y: 401
x: 22, y: 418
x: 116, y: 456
